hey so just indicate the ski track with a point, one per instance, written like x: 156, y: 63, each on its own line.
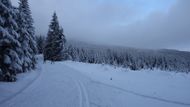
x: 80, y: 94
x: 22, y: 89
x: 97, y: 105
x: 83, y: 96
x: 143, y: 95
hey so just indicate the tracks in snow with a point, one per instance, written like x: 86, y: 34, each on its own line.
x: 83, y: 95
x: 143, y: 95
x: 23, y: 88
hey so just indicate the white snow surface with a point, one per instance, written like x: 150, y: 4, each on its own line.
x: 74, y: 84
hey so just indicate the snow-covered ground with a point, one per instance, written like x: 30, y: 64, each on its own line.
x: 74, y: 84
x: 145, y: 87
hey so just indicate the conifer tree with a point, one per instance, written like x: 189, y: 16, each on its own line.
x: 28, y: 35
x: 40, y: 40
x: 10, y: 48
x: 24, y: 39
x: 55, y: 41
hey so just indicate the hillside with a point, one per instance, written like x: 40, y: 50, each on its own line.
x: 133, y: 58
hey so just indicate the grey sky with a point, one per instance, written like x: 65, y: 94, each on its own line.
x: 132, y: 23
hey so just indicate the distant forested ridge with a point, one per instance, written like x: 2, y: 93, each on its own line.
x: 135, y: 59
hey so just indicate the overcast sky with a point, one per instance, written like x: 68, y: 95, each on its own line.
x: 133, y: 23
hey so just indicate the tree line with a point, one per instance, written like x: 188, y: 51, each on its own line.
x: 130, y: 58
x: 18, y: 46
x: 134, y: 59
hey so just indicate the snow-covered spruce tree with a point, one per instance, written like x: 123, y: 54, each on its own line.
x: 29, y: 33
x: 40, y: 40
x: 24, y: 39
x: 10, y: 47
x: 55, y: 41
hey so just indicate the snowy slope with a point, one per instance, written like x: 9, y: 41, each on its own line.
x: 72, y: 84
x: 156, y: 88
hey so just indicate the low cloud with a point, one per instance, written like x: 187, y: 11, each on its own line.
x: 160, y: 30
x: 141, y: 23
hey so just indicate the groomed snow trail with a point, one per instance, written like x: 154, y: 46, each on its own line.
x: 55, y: 87
x: 83, y: 95
x: 36, y: 76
